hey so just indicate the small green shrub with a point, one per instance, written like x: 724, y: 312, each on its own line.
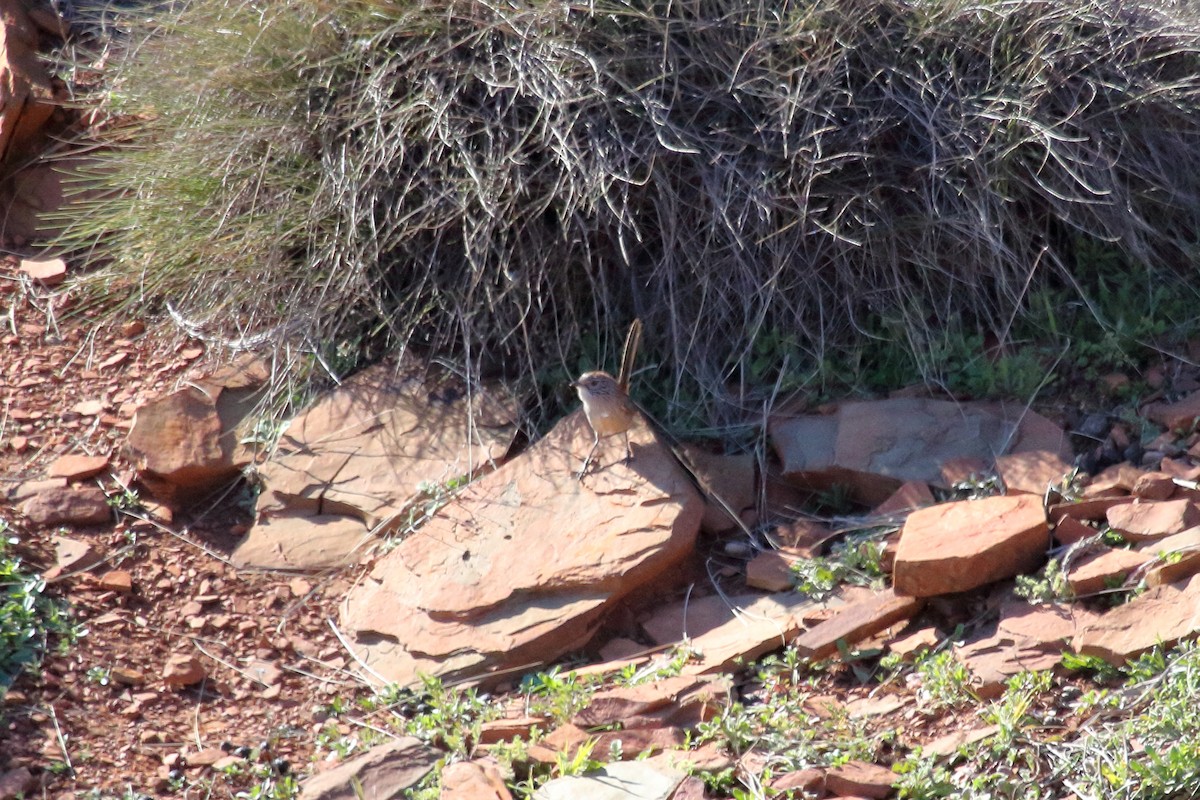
x: 29, y: 619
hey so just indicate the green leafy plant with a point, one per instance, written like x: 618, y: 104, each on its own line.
x: 944, y: 682
x: 857, y: 559
x: 29, y: 619
x: 1047, y: 586
x: 448, y: 716
x: 556, y: 694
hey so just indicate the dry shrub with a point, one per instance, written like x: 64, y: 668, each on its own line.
x: 507, y: 184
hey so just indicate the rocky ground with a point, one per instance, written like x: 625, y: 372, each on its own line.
x: 237, y: 641
x: 156, y: 597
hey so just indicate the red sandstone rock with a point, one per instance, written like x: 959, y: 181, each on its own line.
x: 50, y: 272
x: 954, y: 547
x: 873, y: 447
x: 71, y: 505
x: 913, y: 644
x: 1098, y: 571
x: 505, y: 730
x: 728, y: 630
x: 1178, y: 557
x: 187, y: 443
x: 26, y: 90
x: 807, y: 781
x: 117, y: 580
x: 910, y: 496
x: 183, y: 670
x: 1027, y: 638
x: 1179, y: 416
x: 73, y: 556
x: 1162, y: 616
x: 1031, y: 472
x: 77, y: 467
x: 366, y: 449
x: 1091, y: 509
x: 618, y: 705
x: 1154, y: 486
x: 383, y: 771
x: 474, y: 780
x: 731, y: 478
x: 524, y: 563
x: 860, y: 778
x: 692, y: 788
x: 771, y: 570
x: 1142, y: 520
x: 856, y: 622
x: 298, y: 540
x: 1069, y: 530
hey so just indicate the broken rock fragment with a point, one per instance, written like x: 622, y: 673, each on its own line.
x: 856, y: 621
x: 189, y: 442
x: 301, y: 541
x: 1148, y: 519
x: 183, y: 670
x: 1032, y: 471
x: 954, y: 547
x: 1164, y: 616
x: 360, y: 458
x: 474, y: 780
x: 1027, y: 638
x: 68, y: 505
x: 73, y: 556
x: 729, y: 630
x: 383, y: 771
x: 77, y: 467
x: 1176, y: 557
x: 860, y: 779
x: 1104, y: 569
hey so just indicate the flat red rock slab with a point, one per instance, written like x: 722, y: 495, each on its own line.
x: 1181, y: 415
x: 77, y: 467
x: 50, y: 272
x: 1164, y: 615
x: 1099, y: 571
x: 959, y: 546
x: 860, y: 779
x: 522, y: 565
x: 856, y: 622
x: 1031, y: 472
x: 910, y: 496
x: 1149, y: 519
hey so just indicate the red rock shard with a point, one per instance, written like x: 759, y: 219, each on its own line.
x: 954, y: 547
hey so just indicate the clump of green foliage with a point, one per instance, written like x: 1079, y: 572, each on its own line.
x: 30, y: 620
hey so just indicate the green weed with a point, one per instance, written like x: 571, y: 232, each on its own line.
x: 30, y: 620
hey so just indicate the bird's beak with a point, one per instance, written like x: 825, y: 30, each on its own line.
x: 574, y: 383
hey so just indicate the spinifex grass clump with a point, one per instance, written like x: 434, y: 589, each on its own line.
x: 760, y: 183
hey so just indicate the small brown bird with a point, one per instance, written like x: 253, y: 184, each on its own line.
x: 606, y: 402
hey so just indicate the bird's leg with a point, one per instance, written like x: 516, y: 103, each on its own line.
x: 628, y: 448
x: 587, y: 462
